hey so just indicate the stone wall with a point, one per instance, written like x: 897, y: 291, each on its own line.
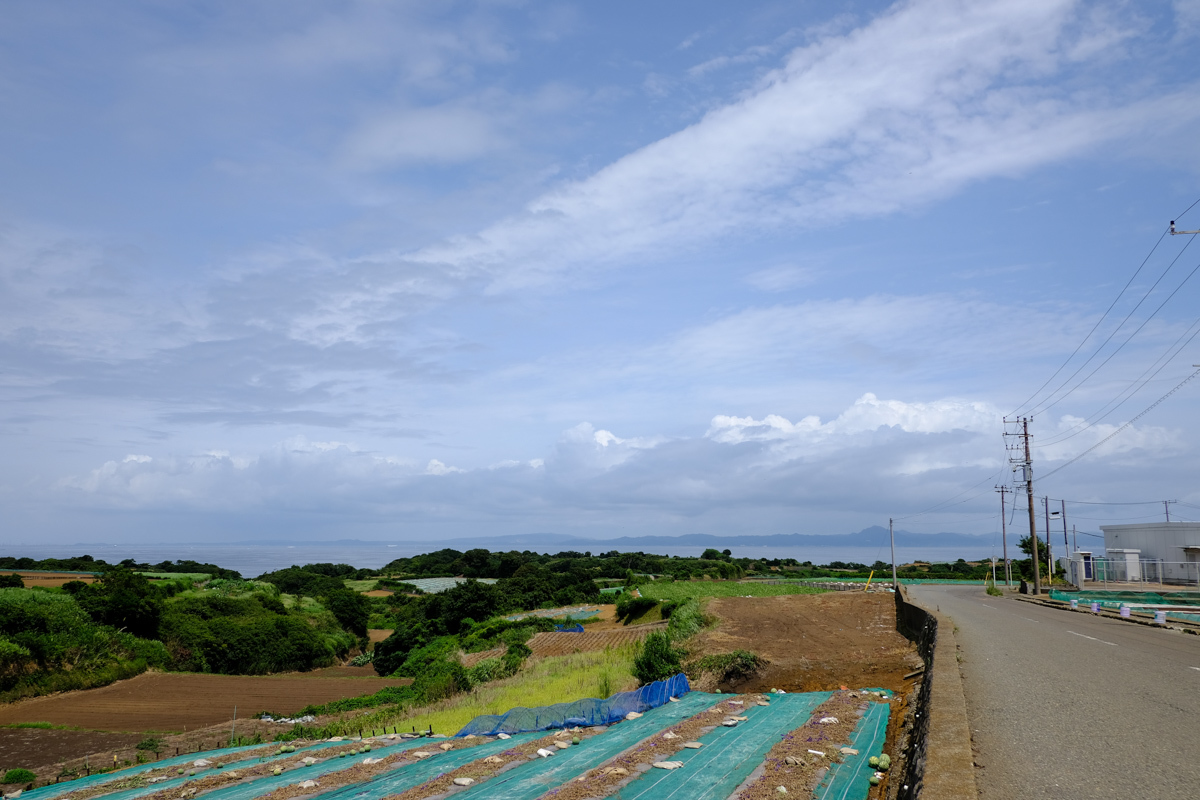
x: 938, y: 763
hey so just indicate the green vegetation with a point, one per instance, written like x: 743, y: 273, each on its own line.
x: 48, y: 643
x: 726, y: 667
x: 543, y: 682
x: 18, y: 776
x: 656, y: 659
x: 683, y: 590
x: 12, y: 581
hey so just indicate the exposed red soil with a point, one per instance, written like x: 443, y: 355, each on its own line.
x: 378, y: 634
x: 379, y: 593
x: 814, y: 642
x: 161, y: 701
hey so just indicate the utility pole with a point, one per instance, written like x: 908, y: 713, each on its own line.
x: 1049, y: 558
x: 1004, y: 538
x: 1021, y: 458
x: 1167, y: 508
x: 1066, y: 548
x: 892, y: 537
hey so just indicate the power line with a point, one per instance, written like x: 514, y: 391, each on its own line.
x: 1150, y: 408
x: 1128, y: 339
x: 1103, y: 317
x: 1136, y: 387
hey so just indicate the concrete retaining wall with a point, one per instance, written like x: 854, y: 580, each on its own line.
x: 938, y: 764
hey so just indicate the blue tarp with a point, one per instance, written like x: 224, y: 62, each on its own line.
x: 586, y: 712
x: 576, y: 628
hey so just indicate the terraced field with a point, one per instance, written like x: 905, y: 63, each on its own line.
x: 561, y: 644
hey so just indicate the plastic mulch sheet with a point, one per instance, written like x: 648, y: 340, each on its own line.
x: 131, y: 794
x: 414, y: 773
x: 729, y: 755
x: 59, y: 789
x: 851, y: 778
x: 534, y: 778
x: 584, y: 713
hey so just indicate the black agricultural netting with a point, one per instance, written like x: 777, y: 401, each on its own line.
x: 584, y: 713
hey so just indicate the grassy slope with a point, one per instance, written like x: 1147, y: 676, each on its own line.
x: 543, y: 682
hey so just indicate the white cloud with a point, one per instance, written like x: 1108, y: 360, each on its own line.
x: 436, y: 467
x: 905, y: 110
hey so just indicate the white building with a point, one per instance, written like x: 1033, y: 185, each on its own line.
x: 1166, y: 552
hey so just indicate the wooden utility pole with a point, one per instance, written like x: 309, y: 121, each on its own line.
x: 1004, y: 538
x: 1033, y: 537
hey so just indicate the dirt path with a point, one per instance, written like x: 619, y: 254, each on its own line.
x: 814, y: 642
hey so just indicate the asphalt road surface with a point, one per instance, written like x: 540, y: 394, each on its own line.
x: 1067, y: 705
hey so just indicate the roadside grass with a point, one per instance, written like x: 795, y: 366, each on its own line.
x: 683, y: 590
x: 542, y: 682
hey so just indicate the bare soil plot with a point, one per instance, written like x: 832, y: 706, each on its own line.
x: 378, y: 634
x: 561, y: 644
x: 34, y: 747
x: 48, y: 579
x: 814, y: 642
x: 379, y: 593
x: 174, y: 702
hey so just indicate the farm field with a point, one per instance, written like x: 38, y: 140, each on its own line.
x: 814, y: 641
x: 173, y: 702
x: 49, y: 579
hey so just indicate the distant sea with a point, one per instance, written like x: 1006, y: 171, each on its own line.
x: 254, y: 559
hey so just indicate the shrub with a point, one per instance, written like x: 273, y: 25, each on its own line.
x: 686, y: 620
x: 19, y: 776
x: 150, y: 743
x: 730, y: 667
x: 12, y: 581
x: 656, y: 659
x: 630, y: 608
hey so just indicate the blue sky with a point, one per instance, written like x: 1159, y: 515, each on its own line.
x: 425, y: 270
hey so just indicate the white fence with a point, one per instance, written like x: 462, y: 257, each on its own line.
x: 1147, y: 571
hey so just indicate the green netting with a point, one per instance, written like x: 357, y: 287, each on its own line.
x: 534, y: 778
x: 269, y: 783
x: 851, y: 778
x: 130, y: 794
x: 586, y: 713
x: 1112, y: 599
x: 414, y: 773
x: 729, y: 755
x: 88, y: 781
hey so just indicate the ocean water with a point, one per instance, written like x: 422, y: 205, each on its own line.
x: 254, y: 559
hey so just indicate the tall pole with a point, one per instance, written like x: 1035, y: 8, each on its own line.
x: 1066, y: 549
x: 1004, y: 538
x: 1033, y: 537
x: 1167, y: 508
x: 892, y: 537
x: 1049, y: 558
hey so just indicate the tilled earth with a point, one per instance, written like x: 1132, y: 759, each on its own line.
x: 814, y: 642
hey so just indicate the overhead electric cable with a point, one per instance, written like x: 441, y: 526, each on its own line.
x: 1150, y: 408
x: 1103, y: 316
x: 1130, y: 391
x: 1042, y: 408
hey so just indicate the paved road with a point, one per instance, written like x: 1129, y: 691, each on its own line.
x: 1067, y: 705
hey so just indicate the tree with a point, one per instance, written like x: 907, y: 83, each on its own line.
x: 125, y: 600
x: 656, y: 659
